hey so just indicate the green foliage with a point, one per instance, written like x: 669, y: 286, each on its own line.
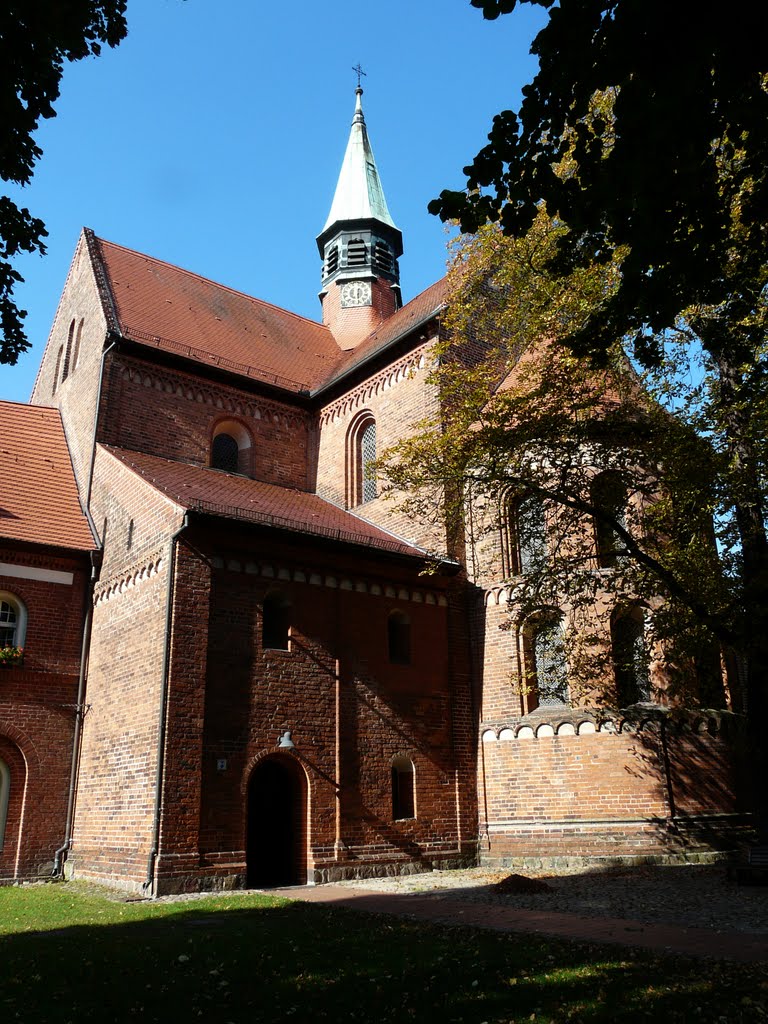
x: 37, y: 37
x: 674, y: 171
x: 522, y: 416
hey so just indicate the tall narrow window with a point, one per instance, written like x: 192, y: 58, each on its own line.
x: 546, y: 662
x: 224, y: 453
x: 332, y: 261
x: 524, y: 535
x: 361, y: 458
x: 609, y: 496
x: 5, y: 792
x: 631, y: 660
x: 403, y: 789
x: 399, y: 638
x: 276, y: 622
x: 367, y: 460
x: 55, y: 381
x: 68, y: 352
x: 76, y: 350
x: 382, y: 257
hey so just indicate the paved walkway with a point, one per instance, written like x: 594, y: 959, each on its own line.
x: 442, y: 908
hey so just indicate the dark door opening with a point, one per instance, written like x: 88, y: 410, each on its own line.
x: 276, y: 850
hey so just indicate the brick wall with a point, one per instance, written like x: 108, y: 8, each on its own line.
x: 173, y: 414
x: 570, y: 784
x: 114, y: 815
x: 397, y: 397
x: 76, y: 395
x: 37, y: 708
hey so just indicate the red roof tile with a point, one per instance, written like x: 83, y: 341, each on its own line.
x: 161, y: 305
x: 237, y: 497
x: 175, y: 310
x: 38, y: 494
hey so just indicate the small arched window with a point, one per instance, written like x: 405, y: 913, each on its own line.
x: 225, y: 453
x: 276, y: 622
x: 631, y: 658
x: 13, y: 620
x: 403, y: 789
x: 361, y: 459
x: 399, y: 638
x: 231, y: 447
x: 545, y: 660
x: 5, y: 792
x: 609, y: 497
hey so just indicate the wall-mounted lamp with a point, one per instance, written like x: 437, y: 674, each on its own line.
x: 285, y: 742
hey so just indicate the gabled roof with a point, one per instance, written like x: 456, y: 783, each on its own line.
x: 39, y: 503
x: 232, y: 496
x: 164, y: 307
x: 175, y: 310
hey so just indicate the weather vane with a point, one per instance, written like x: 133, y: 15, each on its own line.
x: 358, y: 69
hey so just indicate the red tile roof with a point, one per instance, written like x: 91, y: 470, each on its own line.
x: 161, y: 305
x: 38, y: 494
x: 237, y: 497
x: 157, y: 304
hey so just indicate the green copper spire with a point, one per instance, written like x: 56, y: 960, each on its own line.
x: 359, y: 195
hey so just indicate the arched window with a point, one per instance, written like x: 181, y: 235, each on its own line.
x: 524, y: 540
x: 545, y: 660
x: 609, y: 496
x: 231, y: 447
x: 68, y: 352
x: 13, y: 620
x: 399, y: 638
x: 361, y: 458
x: 76, y: 351
x: 55, y: 382
x: 631, y: 660
x: 403, y: 789
x: 5, y: 792
x: 276, y: 622
x: 225, y: 453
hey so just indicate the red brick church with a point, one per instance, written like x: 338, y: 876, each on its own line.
x: 221, y: 659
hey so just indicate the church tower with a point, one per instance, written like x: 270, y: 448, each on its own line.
x: 360, y: 245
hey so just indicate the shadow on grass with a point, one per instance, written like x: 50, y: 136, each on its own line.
x: 226, y: 960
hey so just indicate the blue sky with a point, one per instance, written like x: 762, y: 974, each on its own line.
x: 213, y: 135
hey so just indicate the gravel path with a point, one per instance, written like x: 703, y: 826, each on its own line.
x: 693, y: 896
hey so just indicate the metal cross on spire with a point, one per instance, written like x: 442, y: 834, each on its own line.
x: 358, y: 69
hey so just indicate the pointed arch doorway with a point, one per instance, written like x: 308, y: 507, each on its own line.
x: 276, y: 851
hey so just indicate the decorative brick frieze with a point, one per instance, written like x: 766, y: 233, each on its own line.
x: 375, y: 386
x: 329, y: 580
x: 118, y: 584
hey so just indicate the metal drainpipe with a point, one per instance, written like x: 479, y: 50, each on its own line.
x: 148, y: 885
x: 60, y: 855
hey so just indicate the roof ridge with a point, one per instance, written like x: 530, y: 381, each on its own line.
x: 217, y: 284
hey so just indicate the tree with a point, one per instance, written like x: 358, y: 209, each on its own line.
x: 667, y: 182
x: 36, y: 38
x: 607, y: 498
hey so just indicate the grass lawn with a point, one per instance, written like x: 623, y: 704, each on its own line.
x: 69, y: 954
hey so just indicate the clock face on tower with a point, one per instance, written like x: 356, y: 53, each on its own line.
x: 356, y: 293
